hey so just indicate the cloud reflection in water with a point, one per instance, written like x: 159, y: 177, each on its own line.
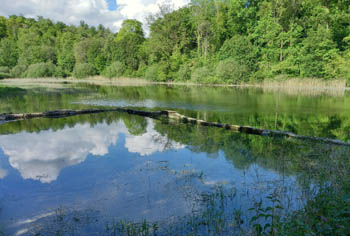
x: 41, y: 156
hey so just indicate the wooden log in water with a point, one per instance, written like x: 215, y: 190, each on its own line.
x: 174, y: 116
x: 65, y: 113
x: 49, y: 114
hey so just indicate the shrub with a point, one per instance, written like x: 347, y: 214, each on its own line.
x: 60, y: 73
x: 40, y: 70
x: 141, y: 70
x: 151, y: 72
x: 156, y: 72
x: 4, y: 75
x: 203, y: 74
x: 4, y: 72
x: 116, y: 69
x: 339, y: 68
x: 84, y: 70
x: 4, y: 69
x: 229, y: 71
x: 184, y: 73
x: 18, y: 71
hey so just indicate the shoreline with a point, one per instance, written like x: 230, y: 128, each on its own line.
x: 289, y: 84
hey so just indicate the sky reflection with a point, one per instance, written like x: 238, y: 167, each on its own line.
x: 41, y: 156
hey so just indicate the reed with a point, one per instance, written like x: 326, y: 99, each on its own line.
x: 291, y: 86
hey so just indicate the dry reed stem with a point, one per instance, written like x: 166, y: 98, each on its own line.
x: 292, y: 86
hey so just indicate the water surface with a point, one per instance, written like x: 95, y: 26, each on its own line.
x: 78, y: 174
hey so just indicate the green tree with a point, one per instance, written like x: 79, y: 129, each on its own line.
x: 202, y: 11
x: 65, y: 51
x: 241, y: 50
x: 170, y: 33
x: 318, y: 49
x: 3, y: 27
x: 128, y: 41
x: 8, y: 53
x: 32, y: 50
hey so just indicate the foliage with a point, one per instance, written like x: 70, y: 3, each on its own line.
x: 170, y: 33
x: 231, y: 71
x: 116, y: 69
x: 4, y: 72
x: 241, y: 50
x: 265, y: 38
x: 89, y: 51
x: 40, y: 70
x: 18, y: 71
x: 203, y: 74
x: 4, y: 69
x: 60, y: 73
x: 8, y: 53
x: 327, y: 214
x: 156, y: 72
x: 184, y: 73
x: 4, y: 75
x: 84, y: 70
x: 65, y: 52
x: 128, y: 42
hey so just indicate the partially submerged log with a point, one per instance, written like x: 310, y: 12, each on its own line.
x: 174, y: 116
x: 65, y: 113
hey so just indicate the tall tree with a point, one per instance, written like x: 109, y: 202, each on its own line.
x: 8, y: 53
x: 128, y: 42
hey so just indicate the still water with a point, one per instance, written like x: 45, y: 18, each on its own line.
x: 80, y: 175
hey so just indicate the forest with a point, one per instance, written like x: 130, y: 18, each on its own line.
x: 207, y: 41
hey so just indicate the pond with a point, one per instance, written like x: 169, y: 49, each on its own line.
x: 111, y: 173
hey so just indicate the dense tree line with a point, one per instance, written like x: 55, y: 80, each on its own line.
x: 227, y: 41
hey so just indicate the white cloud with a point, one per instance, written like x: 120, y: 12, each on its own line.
x: 93, y: 12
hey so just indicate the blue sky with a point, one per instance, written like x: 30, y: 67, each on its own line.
x: 112, y: 5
